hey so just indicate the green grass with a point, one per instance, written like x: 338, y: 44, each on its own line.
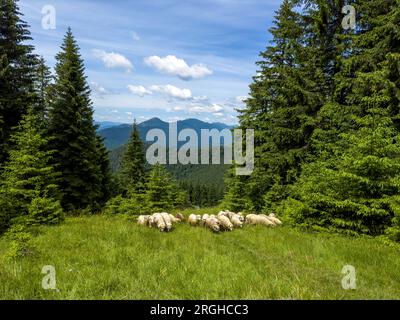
x: 104, y: 257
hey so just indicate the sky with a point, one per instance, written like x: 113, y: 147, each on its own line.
x: 159, y: 58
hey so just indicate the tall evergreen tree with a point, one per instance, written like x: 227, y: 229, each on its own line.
x: 107, y: 182
x: 72, y: 131
x: 132, y: 172
x: 29, y: 178
x: 17, y: 72
x: 353, y: 187
x: 43, y: 83
x: 293, y: 84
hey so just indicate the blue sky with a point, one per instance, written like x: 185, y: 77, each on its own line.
x: 161, y: 58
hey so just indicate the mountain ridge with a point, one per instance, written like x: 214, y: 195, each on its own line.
x: 118, y: 135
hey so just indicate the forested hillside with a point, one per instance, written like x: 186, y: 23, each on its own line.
x: 199, y: 180
x: 325, y: 107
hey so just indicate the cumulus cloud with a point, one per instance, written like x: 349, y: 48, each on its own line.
x: 177, y: 67
x: 139, y: 90
x: 168, y: 90
x: 197, y: 108
x: 98, y: 89
x: 173, y: 92
x: 113, y: 60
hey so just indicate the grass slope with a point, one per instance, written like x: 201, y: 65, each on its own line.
x: 103, y: 257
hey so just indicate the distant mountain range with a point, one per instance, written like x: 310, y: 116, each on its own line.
x: 116, y: 134
x: 107, y: 124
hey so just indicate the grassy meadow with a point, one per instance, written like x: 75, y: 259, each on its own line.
x: 110, y: 257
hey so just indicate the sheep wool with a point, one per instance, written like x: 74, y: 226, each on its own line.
x: 225, y: 223
x: 274, y: 219
x: 254, y: 219
x: 143, y: 220
x: 223, y: 213
x: 159, y: 222
x: 237, y: 223
x: 193, y: 220
x: 213, y: 224
x: 167, y: 221
x: 267, y: 217
x: 174, y: 220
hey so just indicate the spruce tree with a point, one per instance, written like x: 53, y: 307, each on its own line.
x: 160, y: 191
x: 17, y: 72
x: 132, y: 172
x: 29, y: 187
x: 235, y: 198
x: 107, y: 182
x: 43, y: 84
x: 353, y: 186
x: 294, y: 83
x: 72, y: 131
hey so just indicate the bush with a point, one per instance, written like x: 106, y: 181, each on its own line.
x: 20, y: 238
x: 45, y: 211
x: 135, y: 205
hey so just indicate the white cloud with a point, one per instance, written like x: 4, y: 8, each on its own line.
x: 216, y: 107
x: 98, y: 89
x: 177, y: 67
x: 197, y: 108
x: 113, y: 60
x: 173, y: 92
x: 139, y: 90
x: 241, y: 99
x: 200, y: 98
x: 170, y: 91
x: 218, y: 114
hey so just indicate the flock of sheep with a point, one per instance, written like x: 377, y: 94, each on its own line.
x: 224, y: 221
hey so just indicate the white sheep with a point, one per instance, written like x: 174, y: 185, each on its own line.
x: 159, y: 222
x: 223, y: 213
x: 174, y: 220
x: 193, y: 221
x: 274, y: 219
x: 213, y: 224
x: 167, y: 221
x: 143, y: 220
x: 241, y: 216
x: 267, y: 217
x: 151, y: 222
x: 225, y: 223
x: 231, y: 214
x: 203, y: 219
x: 237, y: 223
x: 254, y: 219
